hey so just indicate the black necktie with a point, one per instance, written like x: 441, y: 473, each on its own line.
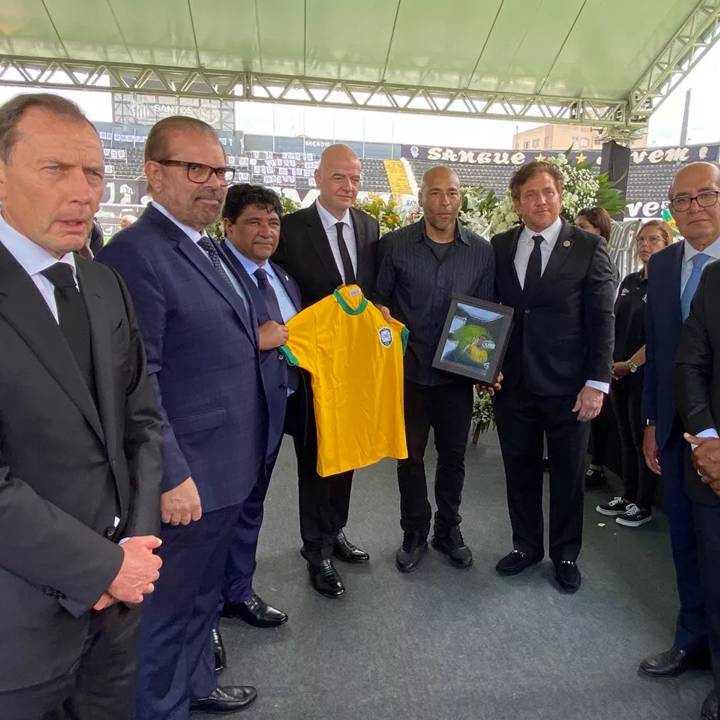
x: 73, y: 319
x: 212, y: 252
x: 534, y: 266
x: 348, y: 271
x: 269, y: 296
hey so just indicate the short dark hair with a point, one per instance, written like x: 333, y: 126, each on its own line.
x: 156, y: 143
x: 243, y: 195
x: 599, y: 218
x: 531, y: 169
x: 12, y: 111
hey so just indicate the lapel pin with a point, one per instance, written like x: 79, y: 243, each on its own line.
x: 567, y: 243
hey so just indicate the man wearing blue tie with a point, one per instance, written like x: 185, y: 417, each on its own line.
x: 251, y: 220
x: 673, y: 278
x: 200, y: 331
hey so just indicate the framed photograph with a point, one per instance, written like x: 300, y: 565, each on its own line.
x: 474, y: 339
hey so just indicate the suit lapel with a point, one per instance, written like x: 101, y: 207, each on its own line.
x: 290, y: 288
x: 561, y: 251
x: 319, y: 240
x: 22, y: 305
x: 512, y: 250
x: 101, y: 350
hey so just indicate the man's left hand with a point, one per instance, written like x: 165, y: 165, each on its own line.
x: 706, y: 459
x: 588, y: 404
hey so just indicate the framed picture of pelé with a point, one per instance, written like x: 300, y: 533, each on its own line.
x: 474, y: 339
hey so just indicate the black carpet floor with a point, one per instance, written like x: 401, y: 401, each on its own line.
x: 448, y: 644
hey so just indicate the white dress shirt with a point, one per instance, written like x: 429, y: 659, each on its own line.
x: 34, y: 259
x: 196, y: 236
x: 525, y: 246
x: 329, y: 223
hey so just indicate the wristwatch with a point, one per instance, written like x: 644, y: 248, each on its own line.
x: 632, y: 366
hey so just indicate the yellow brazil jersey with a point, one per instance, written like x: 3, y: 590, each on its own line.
x: 355, y: 360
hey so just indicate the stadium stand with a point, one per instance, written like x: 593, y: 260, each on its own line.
x: 288, y: 163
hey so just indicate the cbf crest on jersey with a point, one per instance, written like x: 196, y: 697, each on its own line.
x: 386, y: 338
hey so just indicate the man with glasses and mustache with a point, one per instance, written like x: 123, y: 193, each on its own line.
x: 673, y: 278
x: 200, y: 332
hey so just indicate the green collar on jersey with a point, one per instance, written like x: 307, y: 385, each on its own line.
x: 342, y: 302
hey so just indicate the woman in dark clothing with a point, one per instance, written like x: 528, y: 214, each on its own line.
x: 597, y: 221
x: 634, y: 507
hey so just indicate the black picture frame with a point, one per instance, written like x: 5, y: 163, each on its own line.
x: 478, y: 353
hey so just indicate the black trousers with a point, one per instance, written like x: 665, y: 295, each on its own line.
x: 707, y: 527
x: 523, y: 419
x: 600, y: 429
x: 447, y: 409
x: 102, y: 685
x: 639, y: 482
x: 324, y: 501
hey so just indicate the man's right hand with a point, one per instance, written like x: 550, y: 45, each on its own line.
x: 272, y: 335
x: 650, y: 449
x: 139, y: 570
x: 181, y: 505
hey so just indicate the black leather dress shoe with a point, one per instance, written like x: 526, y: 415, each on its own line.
x: 451, y: 543
x: 326, y: 579
x: 255, y: 611
x: 515, y: 562
x: 568, y: 577
x: 225, y: 700
x: 672, y: 662
x: 411, y: 552
x: 344, y: 550
x: 710, y: 708
x: 218, y: 651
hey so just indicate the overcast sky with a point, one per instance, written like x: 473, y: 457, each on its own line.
x: 376, y: 126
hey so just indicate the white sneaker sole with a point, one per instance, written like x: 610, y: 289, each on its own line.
x: 608, y: 513
x: 632, y: 523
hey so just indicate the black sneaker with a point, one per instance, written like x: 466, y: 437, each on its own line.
x: 634, y: 516
x: 451, y: 543
x: 411, y: 552
x: 616, y: 506
x: 595, y: 478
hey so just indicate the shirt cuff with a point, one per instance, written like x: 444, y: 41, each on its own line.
x: 707, y: 433
x: 123, y: 541
x: 598, y: 385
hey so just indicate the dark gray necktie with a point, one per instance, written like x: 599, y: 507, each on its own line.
x: 73, y: 319
x: 269, y: 296
x: 345, y: 256
x: 534, y: 266
x: 212, y: 252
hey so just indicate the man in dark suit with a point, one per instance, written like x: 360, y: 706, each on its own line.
x: 323, y: 246
x: 697, y: 395
x: 251, y: 220
x: 673, y: 277
x: 80, y: 433
x: 200, y: 332
x: 560, y: 281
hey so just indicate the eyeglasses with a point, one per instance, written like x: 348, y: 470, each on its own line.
x: 707, y: 198
x: 199, y: 173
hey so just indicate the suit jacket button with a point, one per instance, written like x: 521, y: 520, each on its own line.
x: 527, y: 312
x: 109, y: 532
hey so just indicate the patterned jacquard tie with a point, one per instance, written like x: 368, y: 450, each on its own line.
x: 212, y: 252
x: 698, y: 263
x: 269, y: 296
x: 73, y: 318
x: 534, y: 266
x: 348, y: 271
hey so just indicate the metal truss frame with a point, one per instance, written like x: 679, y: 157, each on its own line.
x: 224, y: 85
x: 686, y: 47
